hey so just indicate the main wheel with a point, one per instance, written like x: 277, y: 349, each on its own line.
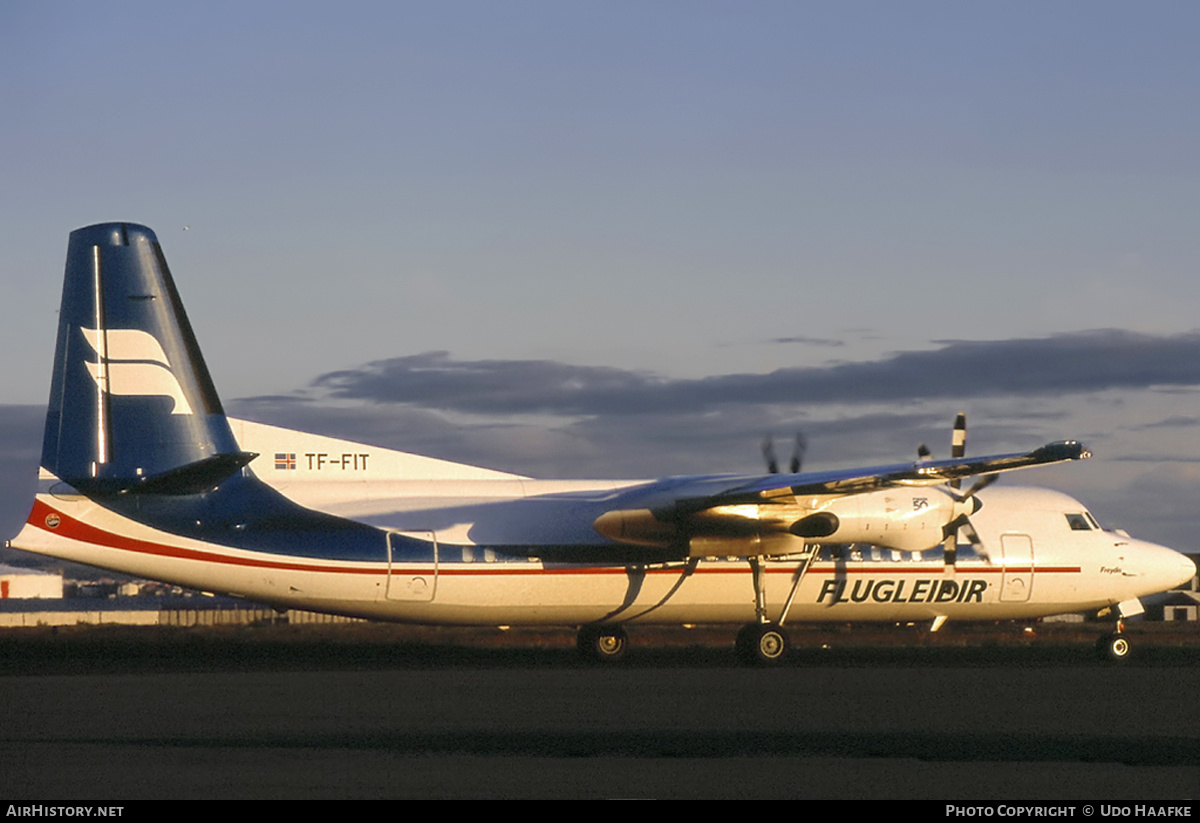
x: 762, y: 643
x: 1114, y: 648
x: 605, y: 644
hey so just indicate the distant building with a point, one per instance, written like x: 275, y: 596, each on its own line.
x: 23, y: 584
x: 150, y: 611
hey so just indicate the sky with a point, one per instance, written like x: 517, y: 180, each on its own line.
x: 632, y: 239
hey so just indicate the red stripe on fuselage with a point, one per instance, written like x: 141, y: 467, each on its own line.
x: 73, y: 529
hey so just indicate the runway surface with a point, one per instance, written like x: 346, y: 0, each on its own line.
x: 130, y: 715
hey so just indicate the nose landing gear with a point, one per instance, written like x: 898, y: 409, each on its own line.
x: 1114, y: 648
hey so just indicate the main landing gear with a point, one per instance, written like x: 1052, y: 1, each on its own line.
x: 757, y: 643
x: 602, y: 643
x: 761, y: 643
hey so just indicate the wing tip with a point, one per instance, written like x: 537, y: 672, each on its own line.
x: 1061, y: 450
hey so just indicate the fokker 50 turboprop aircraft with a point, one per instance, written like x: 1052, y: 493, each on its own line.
x: 143, y: 473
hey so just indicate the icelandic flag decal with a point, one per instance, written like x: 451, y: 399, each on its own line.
x: 285, y: 461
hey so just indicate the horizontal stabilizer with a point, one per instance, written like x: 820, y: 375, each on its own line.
x: 196, y: 477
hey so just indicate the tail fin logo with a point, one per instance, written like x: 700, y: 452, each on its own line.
x: 131, y: 362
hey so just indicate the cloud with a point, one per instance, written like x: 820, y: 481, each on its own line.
x: 1067, y: 363
x: 809, y: 341
x: 552, y: 419
x: 436, y: 380
x: 1175, y: 421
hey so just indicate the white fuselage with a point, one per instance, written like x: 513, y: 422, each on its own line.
x: 1035, y: 564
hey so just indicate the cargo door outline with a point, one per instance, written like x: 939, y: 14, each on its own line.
x: 416, y: 585
x: 1016, y: 584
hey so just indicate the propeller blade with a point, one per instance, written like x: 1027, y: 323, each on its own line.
x: 980, y: 484
x: 958, y: 450
x: 958, y: 443
x: 976, y: 543
x: 950, y: 548
x: 768, y: 451
x: 951, y: 529
x: 798, y: 452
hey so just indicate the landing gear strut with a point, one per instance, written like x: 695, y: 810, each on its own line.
x: 761, y: 642
x: 602, y: 643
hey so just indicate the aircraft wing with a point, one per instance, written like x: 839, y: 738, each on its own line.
x: 917, y: 473
x: 729, y: 508
x: 698, y: 493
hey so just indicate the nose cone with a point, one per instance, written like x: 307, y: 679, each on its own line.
x: 1167, y: 568
x: 1186, y: 569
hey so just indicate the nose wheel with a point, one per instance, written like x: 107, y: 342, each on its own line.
x: 1114, y: 648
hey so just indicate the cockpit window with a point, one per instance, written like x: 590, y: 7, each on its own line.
x: 1092, y: 520
x: 1078, y: 523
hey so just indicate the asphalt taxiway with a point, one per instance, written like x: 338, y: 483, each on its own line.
x: 130, y: 715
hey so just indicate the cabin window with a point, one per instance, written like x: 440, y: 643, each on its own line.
x: 1078, y: 523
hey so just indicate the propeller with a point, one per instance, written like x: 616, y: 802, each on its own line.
x: 798, y: 450
x: 958, y: 449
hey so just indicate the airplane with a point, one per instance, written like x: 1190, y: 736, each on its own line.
x: 143, y: 473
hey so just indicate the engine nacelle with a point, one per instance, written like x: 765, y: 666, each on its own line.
x: 907, y: 519
x: 903, y: 518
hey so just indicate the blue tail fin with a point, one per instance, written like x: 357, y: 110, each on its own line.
x: 132, y: 407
